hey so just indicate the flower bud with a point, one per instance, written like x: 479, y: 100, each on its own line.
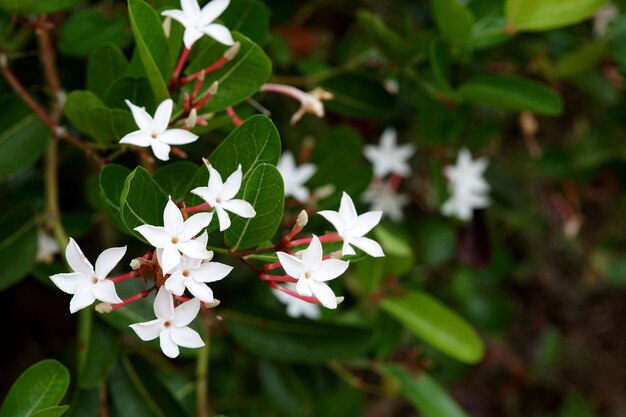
x: 191, y: 121
x: 213, y: 88
x: 167, y: 26
x: 336, y: 254
x: 135, y: 264
x: 232, y: 51
x: 323, y: 191
x: 303, y: 219
x: 212, y: 304
x: 104, y: 308
x: 339, y: 299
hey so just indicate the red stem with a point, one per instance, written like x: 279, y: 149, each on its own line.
x: 394, y: 181
x: 124, y: 277
x: 311, y: 300
x: 236, y: 120
x: 269, y: 267
x: 142, y: 294
x: 213, y: 67
x: 278, y: 278
x: 199, y: 207
x: 179, y: 66
x: 331, y: 237
x: 204, y: 100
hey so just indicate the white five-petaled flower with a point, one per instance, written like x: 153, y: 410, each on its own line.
x: 312, y: 272
x: 295, y: 306
x: 198, y: 22
x: 388, y: 157
x: 467, y: 186
x: 176, y: 236
x: 171, y: 324
x: 153, y: 131
x: 194, y: 274
x: 385, y: 198
x: 295, y: 176
x: 352, y: 227
x: 87, y: 284
x: 219, y: 195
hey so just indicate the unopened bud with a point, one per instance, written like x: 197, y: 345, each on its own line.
x: 303, y: 219
x: 167, y: 26
x: 339, y: 299
x: 336, y: 254
x: 4, y: 62
x: 104, y: 308
x: 232, y: 51
x: 206, y: 162
x: 324, y: 191
x: 528, y: 123
x: 135, y: 264
x: 191, y: 121
x: 213, y: 88
x: 60, y: 131
x: 212, y: 304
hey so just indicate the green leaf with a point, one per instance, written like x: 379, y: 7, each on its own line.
x: 423, y: 392
x: 106, y: 64
x: 84, y: 403
x: 387, y: 40
x: 77, y: 107
x: 86, y: 30
x: 540, y: 15
x: 97, y: 358
x: 152, y: 46
x: 35, y: 6
x: 110, y: 125
x: 142, y: 201
x: 581, y: 60
x: 18, y: 244
x: 128, y: 87
x: 22, y: 143
x: 358, y: 95
x: 512, y: 93
x: 440, y: 65
x: 56, y: 411
x: 239, y: 78
x: 175, y: 178
x: 265, y: 191
x: 112, y: 178
x: 289, y: 340
x: 248, y: 17
x: 453, y: 19
x: 41, y: 386
x: 437, y: 325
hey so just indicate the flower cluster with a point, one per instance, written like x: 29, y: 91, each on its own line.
x: 468, y: 188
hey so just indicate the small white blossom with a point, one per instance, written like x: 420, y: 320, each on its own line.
x: 176, y: 236
x: 153, y: 132
x: 352, y: 227
x: 47, y: 247
x: 194, y: 274
x: 382, y: 197
x: 87, y: 284
x: 171, y: 324
x: 295, y: 176
x: 468, y: 188
x: 295, y: 306
x: 219, y: 195
x: 198, y: 22
x: 312, y: 272
x: 389, y: 157
x: 310, y: 102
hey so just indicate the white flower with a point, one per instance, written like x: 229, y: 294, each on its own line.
x: 194, y: 274
x: 153, y: 132
x: 352, y: 228
x: 388, y: 157
x: 86, y: 284
x: 294, y: 177
x: 198, y: 22
x: 310, y: 102
x: 176, y: 236
x: 295, y: 306
x: 467, y: 186
x: 219, y: 195
x: 171, y: 324
x: 603, y: 18
x: 383, y: 197
x: 47, y: 247
x: 312, y: 272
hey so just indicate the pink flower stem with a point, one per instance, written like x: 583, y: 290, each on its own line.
x: 311, y: 300
x: 394, y: 181
x: 278, y: 278
x: 269, y: 267
x: 199, y: 207
x: 196, y: 87
x: 200, y: 74
x: 124, y: 277
x: 179, y: 66
x: 178, y: 152
x: 236, y: 119
x: 331, y: 237
x: 204, y: 100
x: 181, y: 298
x: 142, y: 294
x: 285, y: 90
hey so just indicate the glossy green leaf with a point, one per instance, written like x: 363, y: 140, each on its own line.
x: 512, y: 93
x: 18, y: 244
x: 358, y: 95
x: 106, y: 64
x: 174, y: 178
x: 152, y: 46
x: 55, y: 411
x: 135, y: 89
x: 97, y: 358
x: 77, y: 107
x: 41, y: 386
x: 290, y: 340
x: 539, y: 15
x: 265, y: 191
x: 437, y: 325
x: 112, y: 178
x: 110, y: 125
x: 22, y: 143
x: 248, y: 17
x: 239, y: 78
x: 423, y: 392
x: 84, y: 31
x: 453, y: 19
x: 142, y: 201
x: 84, y: 403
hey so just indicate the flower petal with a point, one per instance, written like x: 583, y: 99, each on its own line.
x: 177, y: 137
x: 366, y: 222
x: 168, y: 346
x: 137, y: 138
x: 293, y: 266
x: 232, y: 184
x: 195, y: 224
x: 77, y: 260
x: 107, y: 261
x: 191, y: 36
x: 211, y: 272
x: 186, y: 312
x: 239, y: 207
x: 190, y: 7
x: 346, y: 249
x: 170, y: 258
x: 335, y: 219
x: 312, y: 256
x: 176, y: 283
x: 82, y: 298
x: 104, y: 290
x: 212, y: 11
x: 160, y: 150
x: 330, y: 269
x: 162, y: 116
x: 347, y: 210
x: 206, y: 194
x: 69, y: 283
x: 142, y: 118
x: 186, y: 337
x: 223, y: 218
x: 369, y: 246
x: 172, y: 218
x: 157, y: 236
x: 220, y: 33
x: 324, y: 293
x: 164, y: 305
x: 303, y: 288
x: 179, y: 16
x: 215, y: 181
x: 148, y: 330
x: 194, y: 249
x: 199, y: 290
